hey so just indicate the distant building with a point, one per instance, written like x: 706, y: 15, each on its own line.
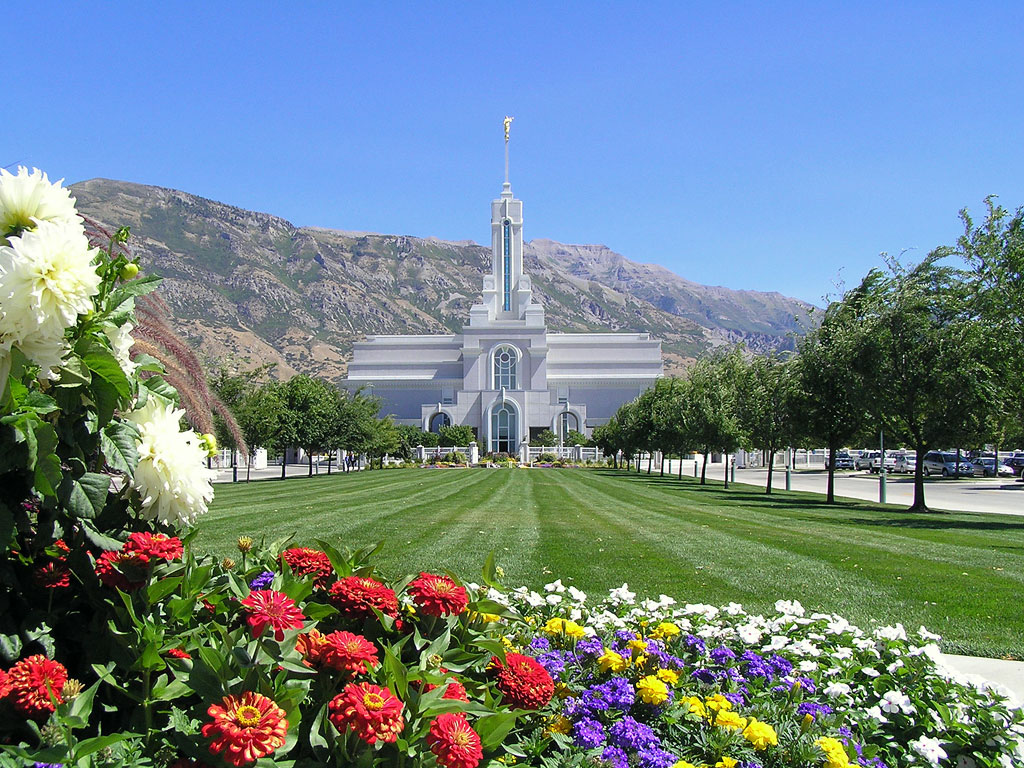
x: 505, y: 374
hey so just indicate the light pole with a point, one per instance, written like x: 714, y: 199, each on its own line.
x: 881, y: 469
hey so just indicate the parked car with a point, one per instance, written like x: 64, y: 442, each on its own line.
x: 985, y: 466
x: 1016, y: 463
x: 906, y: 462
x: 844, y: 460
x: 1008, y: 470
x: 943, y: 463
x: 865, y: 460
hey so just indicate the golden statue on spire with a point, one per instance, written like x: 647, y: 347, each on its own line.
x: 508, y: 124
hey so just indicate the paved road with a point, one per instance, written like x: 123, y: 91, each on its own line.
x: 999, y: 495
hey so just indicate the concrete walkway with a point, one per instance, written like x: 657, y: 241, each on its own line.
x: 1007, y: 675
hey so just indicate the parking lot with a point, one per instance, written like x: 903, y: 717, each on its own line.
x: 1002, y: 495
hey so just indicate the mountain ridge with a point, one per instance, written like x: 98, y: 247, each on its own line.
x: 252, y: 287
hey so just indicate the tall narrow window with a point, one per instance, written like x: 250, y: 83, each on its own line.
x: 439, y: 420
x: 567, y: 422
x: 504, y: 429
x: 506, y: 268
x: 506, y: 360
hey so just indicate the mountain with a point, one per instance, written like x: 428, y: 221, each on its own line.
x: 254, y: 288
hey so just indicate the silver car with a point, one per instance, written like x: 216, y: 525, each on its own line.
x: 942, y: 463
x: 906, y: 462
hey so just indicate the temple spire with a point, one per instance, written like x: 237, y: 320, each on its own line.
x: 508, y: 125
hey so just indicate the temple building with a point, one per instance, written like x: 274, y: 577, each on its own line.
x: 506, y: 375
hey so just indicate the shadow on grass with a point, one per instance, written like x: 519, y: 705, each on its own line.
x: 942, y: 521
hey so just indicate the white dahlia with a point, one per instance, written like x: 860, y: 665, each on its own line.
x: 121, y: 341
x: 47, y: 352
x: 47, y: 279
x: 27, y: 196
x: 171, y: 476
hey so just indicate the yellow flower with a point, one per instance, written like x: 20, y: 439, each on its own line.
x: 760, y: 735
x: 652, y: 690
x: 696, y: 705
x: 637, y: 645
x: 565, y: 627
x: 665, y: 630
x: 726, y: 762
x: 562, y: 691
x: 561, y: 725
x: 244, y: 544
x: 730, y: 720
x: 807, y: 722
x: 610, y: 661
x: 668, y: 675
x: 718, y: 702
x: 486, y: 618
x: 641, y: 660
x: 835, y: 753
x: 683, y: 764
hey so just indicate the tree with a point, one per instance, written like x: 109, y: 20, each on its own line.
x: 608, y: 437
x: 709, y: 410
x: 357, y: 424
x: 830, y: 397
x: 926, y: 373
x: 766, y: 405
x: 456, y: 435
x: 260, y: 415
x: 313, y: 407
x: 546, y: 438
x: 575, y: 437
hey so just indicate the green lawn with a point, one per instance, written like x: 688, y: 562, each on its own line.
x: 958, y: 574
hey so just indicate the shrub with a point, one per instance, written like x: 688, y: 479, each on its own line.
x: 547, y: 458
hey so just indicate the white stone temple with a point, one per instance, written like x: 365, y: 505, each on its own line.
x: 505, y: 374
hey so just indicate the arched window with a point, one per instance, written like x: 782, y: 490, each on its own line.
x: 567, y: 422
x: 438, y: 420
x: 506, y: 361
x: 504, y: 428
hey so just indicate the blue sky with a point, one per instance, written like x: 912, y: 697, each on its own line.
x: 775, y: 146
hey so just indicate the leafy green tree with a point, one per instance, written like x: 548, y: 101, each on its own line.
x: 926, y: 372
x: 313, y: 407
x: 260, y: 415
x: 456, y: 434
x: 766, y: 406
x: 575, y: 437
x: 357, y: 424
x: 546, y: 438
x: 608, y: 438
x: 709, y: 410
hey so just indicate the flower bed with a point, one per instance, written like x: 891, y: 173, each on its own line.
x: 120, y: 645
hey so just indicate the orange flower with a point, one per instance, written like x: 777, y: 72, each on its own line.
x: 245, y: 728
x: 310, y: 644
x: 34, y: 685
x: 347, y: 652
x: 374, y: 713
x: 265, y: 606
x: 437, y: 595
x: 454, y: 741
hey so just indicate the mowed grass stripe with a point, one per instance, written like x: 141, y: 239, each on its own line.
x: 598, y: 529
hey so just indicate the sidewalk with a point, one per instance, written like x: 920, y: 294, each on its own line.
x: 1007, y: 675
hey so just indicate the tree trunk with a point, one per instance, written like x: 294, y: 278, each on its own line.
x: 919, y: 503
x: 284, y: 461
x: 662, y: 465
x: 725, y: 458
x: 650, y: 460
x: 704, y: 468
x: 830, y: 496
x: 956, y: 467
x: 248, y: 468
x: 310, y: 456
x: 680, y: 466
x: 329, y: 457
x: 771, y: 469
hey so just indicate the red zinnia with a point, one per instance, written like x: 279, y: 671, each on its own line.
x: 53, y: 575
x: 454, y: 741
x: 347, y: 652
x: 265, y: 606
x: 34, y: 685
x: 111, y: 567
x: 310, y: 645
x: 357, y: 596
x: 371, y: 711
x: 5, y: 684
x: 523, y: 681
x: 309, y: 562
x: 438, y: 595
x: 155, y: 545
x: 178, y: 653
x: 455, y: 690
x: 245, y: 728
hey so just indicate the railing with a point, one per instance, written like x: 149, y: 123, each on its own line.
x: 567, y: 453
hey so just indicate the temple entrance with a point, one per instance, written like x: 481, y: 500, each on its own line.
x: 504, y: 428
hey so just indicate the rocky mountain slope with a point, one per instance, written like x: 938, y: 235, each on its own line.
x: 252, y: 288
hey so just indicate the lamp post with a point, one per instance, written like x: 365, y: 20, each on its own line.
x: 881, y: 468
x: 789, y: 468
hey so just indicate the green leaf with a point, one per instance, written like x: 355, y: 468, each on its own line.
x: 48, y: 476
x: 89, y: 746
x: 489, y: 572
x: 82, y: 705
x: 493, y: 729
x: 101, y: 361
x: 86, y: 496
x: 74, y: 373
x: 131, y: 289
x: 118, y: 443
x: 170, y: 691
x: 398, y: 676
x: 162, y: 589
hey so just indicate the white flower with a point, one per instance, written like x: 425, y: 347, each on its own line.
x: 808, y: 666
x: 121, y: 343
x: 896, y: 701
x: 891, y: 633
x: 171, y: 476
x: 733, y: 609
x: 789, y: 607
x: 929, y: 749
x: 894, y: 666
x: 47, y: 279
x: 875, y: 713
x: 45, y: 351
x: 553, y: 599
x: 841, y: 654
x: 837, y: 689
x: 926, y: 635
x: 534, y: 599
x: 575, y: 615
x: 27, y: 196
x: 776, y: 643
x: 749, y: 634
x: 871, y: 672
x: 577, y: 595
x: 622, y: 595
x: 555, y: 586
x: 804, y: 648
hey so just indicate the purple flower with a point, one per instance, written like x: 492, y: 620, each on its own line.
x: 262, y: 581
x: 540, y: 644
x: 736, y: 699
x: 655, y: 758
x: 704, y: 676
x: 619, y: 693
x: 722, y: 655
x: 813, y: 709
x: 695, y: 644
x: 807, y: 684
x: 553, y: 662
x: 590, y: 646
x: 781, y: 666
x: 615, y: 757
x: 629, y: 734
x: 588, y: 733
